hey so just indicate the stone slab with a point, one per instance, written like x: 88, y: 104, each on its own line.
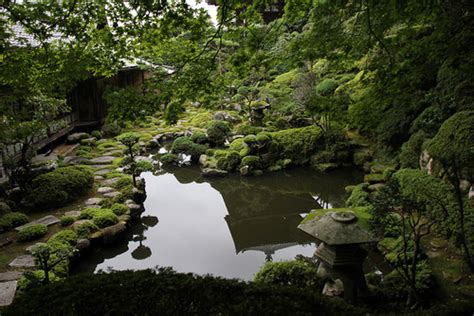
x: 109, y: 182
x: 112, y: 194
x: 10, y: 276
x: 104, y: 160
x: 103, y: 190
x: 93, y: 201
x: 25, y: 261
x: 73, y: 213
x: 102, y: 172
x: 47, y: 220
x: 7, y: 292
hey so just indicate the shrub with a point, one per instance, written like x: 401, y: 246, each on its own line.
x: 410, y: 152
x: 199, y: 138
x: 34, y: 279
x: 253, y: 162
x: 32, y: 232
x: 97, y: 134
x: 217, y: 132
x: 11, y: 220
x: 247, y: 129
x: 169, y: 159
x: 67, y: 236
x: 119, y: 209
x: 185, y: 145
x: 85, y: 229
x: 326, y: 87
x: 297, y: 273
x: 104, y: 218
x: 111, y: 129
x: 229, y: 162
x: 201, y: 119
x: 88, y: 213
x: 358, y: 197
x: 67, y: 220
x: 123, y: 182
x: 58, y: 187
x: 298, y: 144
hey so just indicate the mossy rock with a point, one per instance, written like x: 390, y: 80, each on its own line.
x: 361, y: 157
x: 374, y: 178
x: 362, y: 213
x: 326, y: 167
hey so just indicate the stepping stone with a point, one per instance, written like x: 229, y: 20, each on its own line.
x: 10, y: 276
x: 104, y: 160
x: 144, y: 158
x: 109, y: 182
x: 104, y: 190
x: 112, y: 194
x: 102, y: 172
x: 7, y: 292
x: 73, y: 213
x: 96, y: 166
x: 30, y: 248
x: 99, y: 178
x: 47, y: 220
x: 74, y: 160
x: 25, y: 261
x: 93, y: 201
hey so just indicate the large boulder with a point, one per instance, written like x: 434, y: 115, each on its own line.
x: 113, y: 233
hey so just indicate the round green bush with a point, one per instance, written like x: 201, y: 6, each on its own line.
x: 34, y: 279
x: 229, y: 162
x: 11, y: 220
x: 32, y: 232
x: 85, y: 229
x: 67, y: 220
x: 58, y: 187
x: 169, y: 159
x: 66, y: 236
x: 253, y: 162
x: 119, y: 209
x: 199, y: 138
x: 297, y: 273
x: 217, y: 132
x: 182, y: 145
x: 88, y: 213
x: 111, y: 129
x: 104, y: 218
x: 326, y: 87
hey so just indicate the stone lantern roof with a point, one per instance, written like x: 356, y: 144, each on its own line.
x: 337, y: 227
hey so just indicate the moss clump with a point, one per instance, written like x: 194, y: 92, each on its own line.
x: 295, y: 273
x: 201, y: 119
x: 298, y: 144
x: 32, y: 232
x: 199, y: 138
x: 252, y: 162
x: 362, y: 213
x: 85, y: 229
x: 217, y: 132
x: 58, y: 187
x: 66, y: 236
x: 229, y: 162
x: 11, y: 220
x: 247, y: 129
x: 326, y: 87
x: 169, y: 159
x: 104, y: 218
x: 67, y: 220
x: 119, y: 209
x: 359, y: 196
x: 186, y: 145
x: 374, y: 178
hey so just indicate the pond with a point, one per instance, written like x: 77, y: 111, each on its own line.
x: 226, y: 226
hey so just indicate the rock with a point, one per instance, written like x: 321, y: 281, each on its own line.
x: 104, y: 190
x: 24, y: 261
x: 91, y: 141
x: 112, y: 195
x: 4, y: 208
x: 109, y: 182
x: 326, y: 167
x: 152, y: 143
x: 244, y: 171
x: 99, y: 178
x: 210, y: 172
x: 135, y: 209
x: 196, y: 104
x: 432, y: 254
x: 73, y: 213
x: 203, y: 159
x: 103, y: 160
x: 236, y: 137
x: 139, y: 196
x: 223, y: 116
x: 377, y: 168
x: 113, y: 233
x: 375, y: 187
x: 464, y: 185
x: 102, y: 172
x: 74, y: 160
x: 93, y: 201
x: 7, y: 292
x: 76, y: 137
x: 426, y: 162
x: 32, y: 247
x: 471, y: 192
x: 83, y: 244
x: 47, y: 220
x: 4, y: 241
x: 335, y: 288
x: 322, y: 272
x: 10, y: 276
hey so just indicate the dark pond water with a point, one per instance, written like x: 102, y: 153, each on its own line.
x: 226, y: 227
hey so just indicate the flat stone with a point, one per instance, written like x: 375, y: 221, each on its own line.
x: 99, y: 178
x: 104, y: 160
x: 104, y: 190
x: 47, y: 220
x: 24, y: 261
x: 144, y: 158
x: 93, y: 201
x: 10, y: 276
x: 333, y: 288
x: 112, y: 195
x: 76, y: 137
x: 102, y: 172
x: 73, y: 213
x: 109, y: 182
x: 75, y: 160
x: 96, y: 166
x: 30, y: 248
x: 7, y: 292
x: 209, y: 172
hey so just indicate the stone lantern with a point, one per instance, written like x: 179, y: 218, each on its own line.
x: 339, y: 253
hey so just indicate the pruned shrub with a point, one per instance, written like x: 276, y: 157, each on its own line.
x: 58, y: 187
x: 218, y: 131
x: 169, y: 159
x: 11, y: 220
x: 119, y: 209
x: 66, y: 236
x: 85, y: 229
x: 296, y: 272
x: 229, y: 162
x: 32, y: 232
x: 66, y: 220
x: 104, y: 218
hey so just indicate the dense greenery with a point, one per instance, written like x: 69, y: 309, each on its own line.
x: 169, y: 293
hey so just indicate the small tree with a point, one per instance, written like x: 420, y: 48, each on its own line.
x: 130, y: 140
x: 47, y: 257
x: 453, y: 149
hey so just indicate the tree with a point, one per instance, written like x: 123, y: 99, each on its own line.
x: 130, y: 140
x: 453, y: 149
x: 47, y: 257
x: 419, y: 199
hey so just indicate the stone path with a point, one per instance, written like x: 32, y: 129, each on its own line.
x: 7, y: 292
x: 24, y: 261
x: 47, y: 220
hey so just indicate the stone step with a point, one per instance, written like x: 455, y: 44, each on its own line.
x: 24, y: 261
x: 47, y: 220
x: 10, y: 276
x: 103, y: 160
x: 7, y: 292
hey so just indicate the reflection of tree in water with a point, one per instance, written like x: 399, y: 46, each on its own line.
x: 142, y: 251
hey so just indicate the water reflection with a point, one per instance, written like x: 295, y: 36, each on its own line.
x: 224, y: 226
